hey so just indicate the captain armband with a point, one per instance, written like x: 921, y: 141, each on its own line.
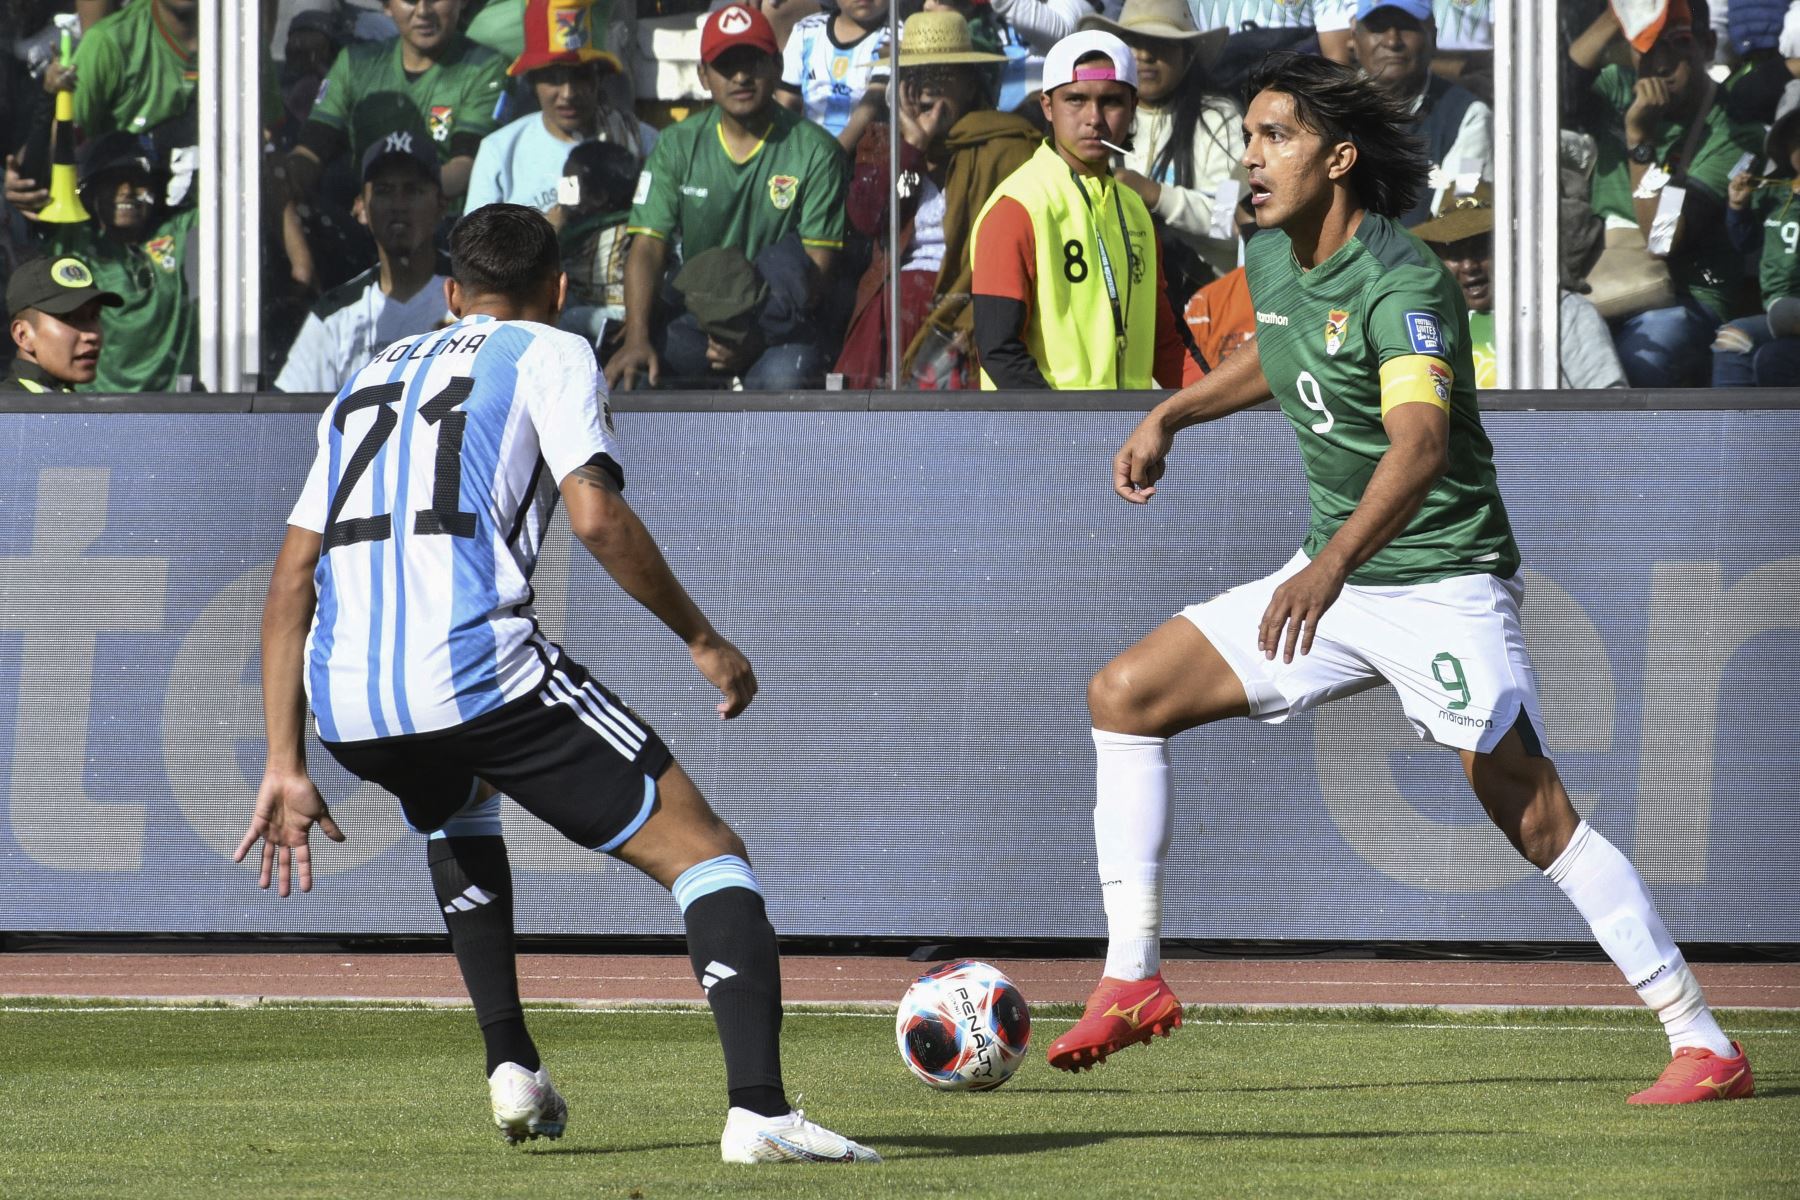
x: 1414, y: 378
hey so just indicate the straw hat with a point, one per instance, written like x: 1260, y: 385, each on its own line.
x: 1460, y: 217
x: 941, y: 36
x: 1166, y: 21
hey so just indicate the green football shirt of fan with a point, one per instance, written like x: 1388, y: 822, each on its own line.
x: 1323, y: 336
x: 694, y: 194
x: 1778, y: 208
x: 367, y: 94
x: 154, y: 337
x: 133, y: 74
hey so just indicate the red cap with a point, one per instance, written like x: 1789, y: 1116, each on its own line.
x: 559, y: 33
x: 735, y: 25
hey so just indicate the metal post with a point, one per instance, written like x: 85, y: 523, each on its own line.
x: 211, y: 97
x: 229, y: 291
x: 893, y: 285
x: 1526, y: 214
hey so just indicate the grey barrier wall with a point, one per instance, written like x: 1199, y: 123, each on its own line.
x: 924, y: 595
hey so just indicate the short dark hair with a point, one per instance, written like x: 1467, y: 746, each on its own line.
x: 1341, y: 104
x: 504, y: 250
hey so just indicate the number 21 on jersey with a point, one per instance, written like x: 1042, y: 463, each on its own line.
x: 443, y: 517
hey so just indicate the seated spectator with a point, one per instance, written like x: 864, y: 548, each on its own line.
x: 403, y: 294
x: 593, y: 202
x: 1063, y: 251
x: 314, y: 39
x: 747, y: 174
x: 1463, y: 237
x: 430, y: 75
x: 1761, y: 74
x: 1258, y: 28
x: 138, y: 250
x: 54, y: 312
x: 1220, y: 317
x: 827, y: 65
x: 1763, y: 218
x: 955, y: 150
x: 1395, y: 41
x: 1656, y: 124
x: 1186, y: 141
x: 136, y: 71
x: 522, y: 162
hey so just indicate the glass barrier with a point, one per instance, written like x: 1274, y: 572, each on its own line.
x: 750, y: 226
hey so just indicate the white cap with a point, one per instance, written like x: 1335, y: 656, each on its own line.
x: 1059, y: 64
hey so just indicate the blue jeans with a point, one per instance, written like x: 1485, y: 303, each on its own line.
x: 1667, y: 347
x: 788, y: 367
x: 1770, y: 361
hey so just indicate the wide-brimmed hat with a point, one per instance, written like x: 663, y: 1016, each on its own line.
x: 1165, y: 21
x: 935, y: 38
x: 1465, y: 216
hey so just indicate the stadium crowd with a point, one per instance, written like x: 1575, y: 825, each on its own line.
x: 725, y: 221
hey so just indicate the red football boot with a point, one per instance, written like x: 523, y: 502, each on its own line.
x: 1120, y: 1013
x: 1696, y: 1074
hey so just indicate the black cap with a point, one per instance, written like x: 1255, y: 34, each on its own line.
x: 409, y: 144
x: 57, y: 286
x: 108, y: 152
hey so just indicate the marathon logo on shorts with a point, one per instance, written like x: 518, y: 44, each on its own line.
x: 1456, y: 718
x: 1427, y: 337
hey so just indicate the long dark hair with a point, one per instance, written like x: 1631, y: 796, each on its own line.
x: 1191, y: 98
x: 1341, y: 104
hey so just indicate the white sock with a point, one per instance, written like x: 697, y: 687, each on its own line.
x: 1608, y: 892
x: 1131, y: 839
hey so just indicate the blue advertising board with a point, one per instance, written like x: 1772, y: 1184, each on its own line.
x: 924, y: 596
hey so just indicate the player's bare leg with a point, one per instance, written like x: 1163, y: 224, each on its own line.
x: 1172, y: 680
x: 1524, y: 796
x: 686, y: 847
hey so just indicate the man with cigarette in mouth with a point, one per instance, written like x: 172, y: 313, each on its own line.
x: 1068, y: 270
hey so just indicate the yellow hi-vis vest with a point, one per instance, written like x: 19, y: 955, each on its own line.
x: 1070, y: 330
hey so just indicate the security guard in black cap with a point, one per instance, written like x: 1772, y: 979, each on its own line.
x: 54, y: 309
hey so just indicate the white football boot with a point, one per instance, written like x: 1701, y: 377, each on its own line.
x: 526, y: 1104
x: 750, y: 1138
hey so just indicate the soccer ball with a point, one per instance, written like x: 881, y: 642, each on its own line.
x: 963, y: 1027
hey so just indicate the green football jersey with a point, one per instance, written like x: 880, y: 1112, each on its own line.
x: 367, y: 94
x: 1778, y: 208
x: 693, y: 194
x: 133, y: 74
x: 154, y: 337
x: 1323, y: 335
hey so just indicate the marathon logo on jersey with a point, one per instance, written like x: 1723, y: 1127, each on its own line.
x: 1427, y: 336
x: 1337, y: 324
x: 782, y: 190
x: 1270, y: 318
x: 438, y: 121
x: 162, y: 251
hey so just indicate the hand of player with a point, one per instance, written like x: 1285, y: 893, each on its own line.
x: 1645, y: 116
x: 726, y: 668
x: 23, y: 196
x: 1139, y: 463
x: 1295, y: 608
x: 634, y: 356
x: 288, y: 805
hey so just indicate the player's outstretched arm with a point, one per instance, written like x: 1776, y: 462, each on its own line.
x: 1237, y: 384
x: 287, y: 803
x: 618, y: 540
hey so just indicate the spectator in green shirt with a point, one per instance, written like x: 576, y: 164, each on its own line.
x: 137, y: 249
x: 1642, y: 119
x: 1764, y: 219
x: 748, y: 175
x: 136, y: 71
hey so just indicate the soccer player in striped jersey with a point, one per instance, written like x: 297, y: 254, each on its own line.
x: 400, y: 607
x: 1408, y: 574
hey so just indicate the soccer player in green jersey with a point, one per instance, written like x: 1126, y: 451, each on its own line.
x: 1408, y: 574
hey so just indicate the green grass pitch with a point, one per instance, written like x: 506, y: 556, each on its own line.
x: 371, y: 1101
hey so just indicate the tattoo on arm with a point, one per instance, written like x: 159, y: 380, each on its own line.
x: 594, y: 476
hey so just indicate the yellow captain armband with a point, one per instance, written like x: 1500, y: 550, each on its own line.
x: 1415, y: 378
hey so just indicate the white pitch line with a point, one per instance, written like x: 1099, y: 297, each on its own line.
x: 696, y: 1010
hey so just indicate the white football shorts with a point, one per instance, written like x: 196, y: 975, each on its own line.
x: 1453, y: 649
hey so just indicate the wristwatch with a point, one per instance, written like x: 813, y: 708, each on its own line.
x: 1643, y: 153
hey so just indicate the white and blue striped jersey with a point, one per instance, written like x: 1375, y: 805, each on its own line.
x: 437, y: 470
x: 830, y: 77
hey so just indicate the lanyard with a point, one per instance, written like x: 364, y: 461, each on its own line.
x: 1106, y: 273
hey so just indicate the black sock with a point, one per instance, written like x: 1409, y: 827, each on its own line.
x: 473, y: 881
x: 732, y: 946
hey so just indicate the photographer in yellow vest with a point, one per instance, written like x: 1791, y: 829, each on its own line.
x: 1068, y: 288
